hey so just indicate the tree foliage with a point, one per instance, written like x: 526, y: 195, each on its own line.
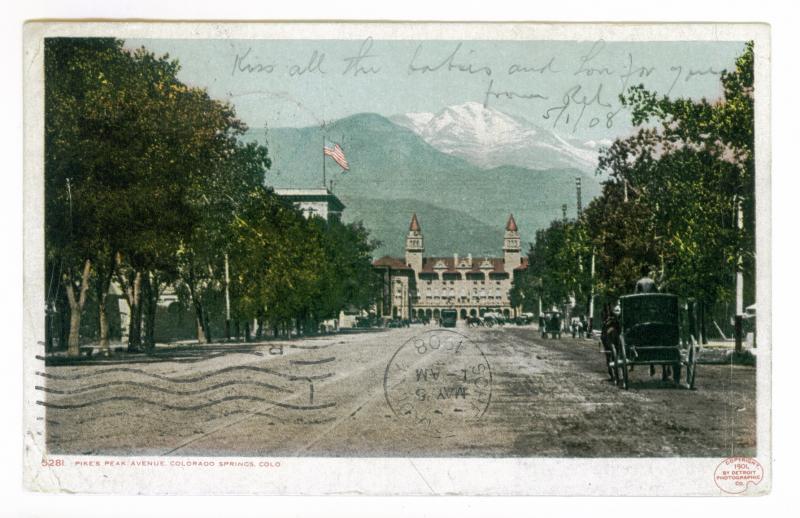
x: 148, y: 184
x: 671, y: 202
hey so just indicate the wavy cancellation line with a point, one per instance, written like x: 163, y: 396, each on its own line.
x: 148, y: 386
x: 59, y: 406
x: 164, y: 357
x: 265, y: 370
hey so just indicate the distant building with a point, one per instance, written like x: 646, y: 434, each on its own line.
x: 314, y: 202
x: 416, y: 286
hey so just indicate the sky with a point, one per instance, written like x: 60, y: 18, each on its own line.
x: 571, y: 87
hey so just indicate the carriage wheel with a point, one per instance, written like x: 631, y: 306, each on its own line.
x: 613, y: 369
x: 623, y: 362
x: 691, y: 366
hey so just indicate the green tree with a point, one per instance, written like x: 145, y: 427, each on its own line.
x: 686, y: 171
x: 140, y: 171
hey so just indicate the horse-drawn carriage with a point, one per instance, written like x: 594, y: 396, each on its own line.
x: 550, y: 324
x: 647, y: 332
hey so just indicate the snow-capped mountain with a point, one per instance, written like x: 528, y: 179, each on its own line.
x: 490, y: 138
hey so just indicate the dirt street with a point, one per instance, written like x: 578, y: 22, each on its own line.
x: 418, y: 391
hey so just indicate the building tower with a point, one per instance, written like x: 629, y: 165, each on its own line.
x: 511, y: 247
x: 414, y: 245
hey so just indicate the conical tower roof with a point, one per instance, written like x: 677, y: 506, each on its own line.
x: 414, y: 226
x: 511, y: 226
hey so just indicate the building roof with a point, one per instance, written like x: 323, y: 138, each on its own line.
x: 312, y: 194
x: 391, y: 262
x: 446, y: 264
x: 511, y: 225
x: 414, y: 224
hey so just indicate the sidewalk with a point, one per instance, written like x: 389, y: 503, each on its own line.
x: 718, y: 352
x: 724, y: 351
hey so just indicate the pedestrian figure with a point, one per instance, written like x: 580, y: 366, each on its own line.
x: 646, y: 284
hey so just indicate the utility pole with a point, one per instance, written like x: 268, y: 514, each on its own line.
x: 737, y: 325
x: 324, y: 180
x: 578, y: 191
x: 591, y: 296
x: 564, y: 212
x: 227, y: 300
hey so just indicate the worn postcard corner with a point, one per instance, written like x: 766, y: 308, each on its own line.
x: 407, y: 258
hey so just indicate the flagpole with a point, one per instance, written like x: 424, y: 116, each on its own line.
x: 323, y: 162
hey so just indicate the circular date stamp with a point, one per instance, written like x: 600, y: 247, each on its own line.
x: 735, y: 474
x: 438, y: 382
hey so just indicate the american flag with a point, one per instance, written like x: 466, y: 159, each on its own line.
x: 337, y: 155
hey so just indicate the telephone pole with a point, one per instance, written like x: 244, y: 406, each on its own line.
x: 737, y: 322
x: 324, y: 180
x: 578, y: 192
x: 591, y: 296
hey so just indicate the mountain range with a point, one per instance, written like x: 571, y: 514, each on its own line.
x: 490, y: 138
x: 394, y: 171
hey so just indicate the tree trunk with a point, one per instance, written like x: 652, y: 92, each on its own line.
x: 207, y: 325
x: 103, y: 283
x: 703, y: 332
x: 76, y: 308
x: 73, y: 346
x: 105, y: 347
x: 48, y: 328
x: 134, y: 301
x: 260, y: 330
x: 199, y: 316
x: 201, y: 333
x: 63, y: 322
x: 151, y: 292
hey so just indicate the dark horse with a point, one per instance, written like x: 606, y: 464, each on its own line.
x: 609, y: 339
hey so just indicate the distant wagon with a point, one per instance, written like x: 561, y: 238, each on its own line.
x: 449, y: 317
x: 649, y: 334
x: 550, y: 324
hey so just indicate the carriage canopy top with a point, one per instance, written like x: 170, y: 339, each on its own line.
x: 650, y: 319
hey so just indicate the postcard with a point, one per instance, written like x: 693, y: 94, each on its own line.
x: 397, y: 258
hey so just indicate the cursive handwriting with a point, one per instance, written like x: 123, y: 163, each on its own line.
x: 691, y: 73
x: 508, y: 94
x: 240, y: 65
x: 448, y: 64
x: 586, y: 68
x: 575, y: 96
x: 356, y: 65
x: 314, y: 65
x: 547, y: 67
x: 632, y: 70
